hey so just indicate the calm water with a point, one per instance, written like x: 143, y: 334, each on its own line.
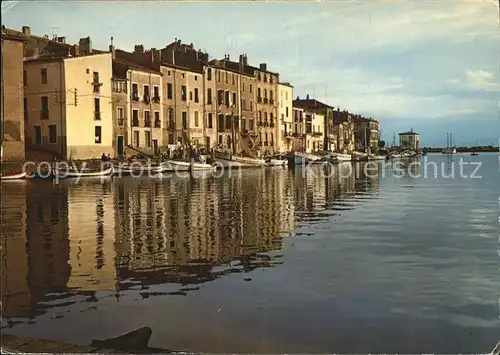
x: 271, y: 261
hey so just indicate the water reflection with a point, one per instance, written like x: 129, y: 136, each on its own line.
x: 128, y: 234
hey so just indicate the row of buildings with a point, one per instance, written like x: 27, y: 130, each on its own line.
x: 72, y: 101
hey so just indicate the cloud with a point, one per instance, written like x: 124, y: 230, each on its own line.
x: 482, y: 80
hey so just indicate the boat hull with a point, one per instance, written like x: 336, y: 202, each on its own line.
x: 73, y: 175
x: 19, y: 176
x: 138, y: 170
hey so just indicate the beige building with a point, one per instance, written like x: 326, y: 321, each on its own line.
x: 68, y: 107
x: 12, y: 128
x: 298, y: 130
x: 267, y: 108
x: 366, y: 134
x: 285, y: 118
x: 343, y: 126
x: 409, y: 140
x: 315, y: 130
x: 144, y: 99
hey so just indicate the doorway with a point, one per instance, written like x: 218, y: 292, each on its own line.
x: 155, y: 146
x: 120, y: 145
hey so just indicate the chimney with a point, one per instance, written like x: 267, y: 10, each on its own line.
x: 61, y: 39
x: 26, y: 31
x: 241, y: 65
x: 156, y: 54
x: 245, y: 60
x: 138, y: 48
x: 85, y: 45
x: 263, y: 66
x: 307, y: 96
x: 75, y: 50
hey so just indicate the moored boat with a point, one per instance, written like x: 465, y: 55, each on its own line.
x: 236, y: 161
x: 18, y: 176
x: 376, y: 157
x: 137, y: 169
x: 302, y: 158
x: 61, y: 174
x: 474, y: 154
x: 276, y: 160
x: 177, y: 165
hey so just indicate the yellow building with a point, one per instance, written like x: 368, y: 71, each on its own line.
x: 68, y: 105
x: 285, y: 118
x: 315, y: 130
x: 409, y: 140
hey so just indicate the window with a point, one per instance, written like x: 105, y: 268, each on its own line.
x: 170, y: 138
x: 196, y: 98
x: 96, y: 77
x: 233, y: 75
x: 147, y: 118
x: 136, y: 138
x: 220, y: 123
x: 227, y: 77
x: 270, y: 94
x: 156, y: 92
x: 146, y: 93
x: 52, y: 134
x: 220, y: 97
x: 157, y: 120
x: 258, y: 94
x: 286, y: 95
x: 234, y: 99
x: 242, y: 87
x: 184, y: 120
x: 147, y: 138
x: 196, y: 123
x: 209, y: 120
x: 171, y: 121
x: 209, y: 96
x: 243, y: 103
x: 196, y: 78
x: 135, y: 118
x: 119, y: 115
x: 183, y: 93
x: 226, y: 98
x: 45, y: 107
x: 251, y: 106
x: 271, y: 79
x: 209, y: 74
x: 97, y: 108
x: 25, y: 78
x: 25, y: 108
x: 43, y: 73
x: 228, y: 122
x: 220, y: 139
x: 135, y: 92
x: 169, y: 91
x: 98, y: 134
x: 272, y: 139
x: 250, y: 88
x: 218, y: 75
x: 38, y: 134
x: 265, y: 93
x: 260, y: 116
x: 287, y: 111
x: 190, y: 96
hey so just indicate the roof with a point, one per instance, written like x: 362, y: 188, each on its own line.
x: 310, y: 104
x: 11, y: 37
x: 228, y: 65
x: 409, y: 133
x: 286, y: 84
x: 60, y: 57
x: 124, y: 61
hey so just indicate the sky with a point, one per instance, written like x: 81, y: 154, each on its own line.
x: 430, y: 66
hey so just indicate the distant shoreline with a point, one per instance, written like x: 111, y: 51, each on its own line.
x: 481, y: 149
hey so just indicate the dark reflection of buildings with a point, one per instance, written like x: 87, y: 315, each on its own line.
x: 177, y: 230
x: 368, y: 176
x: 35, y: 248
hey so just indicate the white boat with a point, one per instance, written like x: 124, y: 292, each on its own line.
x: 81, y: 174
x: 300, y: 158
x: 450, y: 150
x: 276, y: 161
x: 129, y: 169
x: 340, y: 157
x: 376, y: 157
x: 14, y: 176
x: 229, y: 160
x: 177, y: 165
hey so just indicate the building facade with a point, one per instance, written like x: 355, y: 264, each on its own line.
x: 267, y: 109
x: 315, y: 131
x: 343, y: 126
x: 68, y: 107
x: 366, y: 134
x: 13, y: 102
x: 285, y: 117
x: 298, y: 130
x: 409, y: 140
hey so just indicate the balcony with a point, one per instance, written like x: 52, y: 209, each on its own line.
x: 259, y: 99
x: 171, y: 126
x: 44, y: 115
x: 135, y: 122
x: 265, y: 143
x: 265, y: 123
x: 121, y: 121
x: 317, y: 134
x: 156, y: 99
x: 271, y: 101
x: 97, y: 115
x: 96, y: 86
x: 157, y: 124
x: 147, y: 99
x: 147, y: 122
x: 135, y: 96
x: 271, y: 124
x: 259, y: 123
x: 265, y: 100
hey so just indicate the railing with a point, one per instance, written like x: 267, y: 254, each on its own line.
x: 121, y: 121
x: 147, y: 99
x: 157, y: 124
x: 135, y: 96
x: 271, y: 101
x: 156, y: 99
x: 44, y: 115
x: 97, y: 85
x: 147, y: 122
x: 271, y: 124
x: 135, y: 122
x: 265, y: 100
x: 171, y: 125
x: 259, y: 99
x: 97, y: 115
